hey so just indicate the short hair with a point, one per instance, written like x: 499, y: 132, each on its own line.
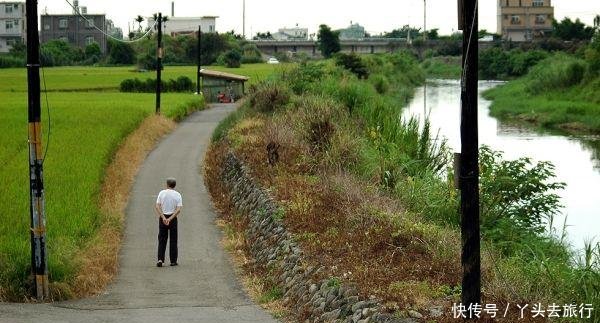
x: 171, y: 182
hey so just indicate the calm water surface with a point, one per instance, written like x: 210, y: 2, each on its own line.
x: 576, y: 158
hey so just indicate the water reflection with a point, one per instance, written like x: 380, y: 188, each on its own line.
x: 577, y: 159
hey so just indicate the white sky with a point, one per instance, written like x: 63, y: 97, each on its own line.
x: 269, y: 15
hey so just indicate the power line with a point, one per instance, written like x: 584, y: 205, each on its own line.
x: 91, y: 23
x: 465, y: 67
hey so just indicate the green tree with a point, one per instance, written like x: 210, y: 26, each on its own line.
x: 211, y: 46
x: 233, y: 58
x: 571, y: 30
x: 263, y: 36
x: 328, y: 40
x: 139, y: 20
x: 120, y: 53
x: 93, y: 52
x: 18, y: 49
x: 403, y: 32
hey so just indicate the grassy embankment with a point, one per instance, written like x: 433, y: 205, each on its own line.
x: 88, y: 131
x: 363, y: 195
x: 556, y: 94
x: 442, y: 67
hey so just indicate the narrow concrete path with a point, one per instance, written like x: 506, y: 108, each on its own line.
x: 203, y: 288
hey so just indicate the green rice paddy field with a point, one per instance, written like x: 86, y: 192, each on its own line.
x: 87, y: 128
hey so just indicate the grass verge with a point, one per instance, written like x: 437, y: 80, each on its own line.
x: 554, y: 95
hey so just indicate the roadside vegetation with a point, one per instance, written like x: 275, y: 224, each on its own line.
x: 86, y: 130
x: 92, y: 128
x: 562, y: 92
x: 369, y: 195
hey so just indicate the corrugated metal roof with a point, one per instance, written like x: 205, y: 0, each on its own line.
x: 223, y: 75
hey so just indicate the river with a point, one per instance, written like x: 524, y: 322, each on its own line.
x: 576, y: 158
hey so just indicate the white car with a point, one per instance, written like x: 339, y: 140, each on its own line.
x: 273, y: 60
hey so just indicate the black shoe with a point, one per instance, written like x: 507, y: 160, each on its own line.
x: 173, y: 264
x: 159, y: 263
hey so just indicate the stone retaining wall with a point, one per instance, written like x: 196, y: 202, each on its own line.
x: 272, y: 246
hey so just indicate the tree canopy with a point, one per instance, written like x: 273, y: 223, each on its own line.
x: 328, y: 40
x: 572, y: 30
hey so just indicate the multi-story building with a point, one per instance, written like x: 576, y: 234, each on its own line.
x: 354, y: 32
x: 186, y: 25
x: 74, y: 28
x: 295, y: 33
x: 524, y: 20
x: 12, y: 24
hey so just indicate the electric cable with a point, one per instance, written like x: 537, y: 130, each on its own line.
x: 91, y: 23
x: 465, y: 65
x: 48, y: 113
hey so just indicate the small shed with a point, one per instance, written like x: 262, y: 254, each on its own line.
x: 215, y: 83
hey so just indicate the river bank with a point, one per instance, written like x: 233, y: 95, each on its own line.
x: 363, y: 194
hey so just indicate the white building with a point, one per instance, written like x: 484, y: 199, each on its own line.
x: 186, y: 25
x: 295, y: 33
x: 12, y: 24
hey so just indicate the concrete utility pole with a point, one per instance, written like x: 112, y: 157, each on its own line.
x: 199, y: 58
x: 469, y: 167
x: 424, y: 19
x: 244, y: 18
x: 39, y: 258
x: 159, y: 54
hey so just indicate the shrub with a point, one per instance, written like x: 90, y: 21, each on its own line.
x: 557, y: 72
x: 11, y: 61
x: 120, y: 53
x: 269, y: 96
x: 232, y: 58
x: 517, y: 196
x: 302, y: 77
x: 181, y: 84
x: 353, y: 63
x: 380, y: 82
x: 147, y: 62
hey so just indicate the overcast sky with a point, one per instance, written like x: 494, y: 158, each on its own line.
x: 269, y: 15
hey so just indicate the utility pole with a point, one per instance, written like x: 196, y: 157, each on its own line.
x: 39, y: 258
x: 244, y: 18
x: 199, y: 60
x: 424, y: 19
x: 469, y: 167
x: 159, y: 54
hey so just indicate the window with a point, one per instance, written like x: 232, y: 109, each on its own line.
x: 9, y: 25
x: 89, y: 40
x: 505, y: 17
x: 63, y: 23
x: 46, y: 27
x: 10, y: 42
x: 89, y: 23
x: 537, y: 3
x: 8, y: 8
x: 211, y: 28
x: 540, y: 19
x: 64, y: 38
x: 515, y: 20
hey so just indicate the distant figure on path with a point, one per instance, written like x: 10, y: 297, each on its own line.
x: 168, y: 206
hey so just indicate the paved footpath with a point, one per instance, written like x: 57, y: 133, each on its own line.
x: 203, y: 288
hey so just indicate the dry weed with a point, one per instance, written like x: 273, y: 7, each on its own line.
x: 99, y: 260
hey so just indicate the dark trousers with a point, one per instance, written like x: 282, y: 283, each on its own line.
x: 164, y: 231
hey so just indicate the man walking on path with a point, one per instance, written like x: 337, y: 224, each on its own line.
x: 168, y: 206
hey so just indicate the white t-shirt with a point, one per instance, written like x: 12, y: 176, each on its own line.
x: 169, y: 201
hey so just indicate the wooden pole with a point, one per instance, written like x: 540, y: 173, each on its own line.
x: 39, y: 257
x: 469, y: 167
x: 159, y: 54
x: 199, y: 58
